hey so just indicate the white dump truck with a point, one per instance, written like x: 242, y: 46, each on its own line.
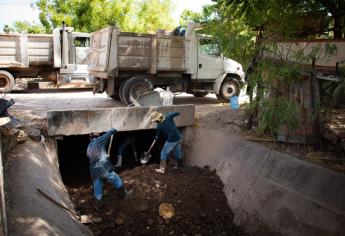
x: 128, y: 64
x: 61, y: 57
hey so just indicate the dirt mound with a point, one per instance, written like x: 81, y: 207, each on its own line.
x: 196, y: 194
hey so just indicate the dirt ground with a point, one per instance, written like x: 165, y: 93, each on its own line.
x: 195, y: 193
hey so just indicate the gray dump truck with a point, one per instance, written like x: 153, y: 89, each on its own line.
x: 128, y: 64
x: 61, y: 57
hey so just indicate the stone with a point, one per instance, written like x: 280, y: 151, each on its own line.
x: 33, y: 133
x: 22, y: 137
x: 166, y: 210
x: 120, y: 219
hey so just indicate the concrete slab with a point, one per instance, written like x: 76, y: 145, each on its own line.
x: 77, y: 122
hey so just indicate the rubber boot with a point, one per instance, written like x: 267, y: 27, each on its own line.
x: 162, y: 167
x: 125, y: 194
x: 119, y: 161
x: 98, y: 204
x: 178, y: 164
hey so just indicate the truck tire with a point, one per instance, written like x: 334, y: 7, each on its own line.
x: 6, y: 82
x: 229, y: 88
x: 200, y: 94
x: 133, y: 87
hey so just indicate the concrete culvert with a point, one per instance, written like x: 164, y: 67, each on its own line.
x: 228, y: 181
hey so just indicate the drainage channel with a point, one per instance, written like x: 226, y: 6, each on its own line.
x: 194, y: 196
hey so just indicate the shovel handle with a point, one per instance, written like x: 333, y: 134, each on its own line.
x: 153, y: 143
x: 110, y: 143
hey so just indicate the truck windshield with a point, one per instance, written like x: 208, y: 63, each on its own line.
x: 209, y: 46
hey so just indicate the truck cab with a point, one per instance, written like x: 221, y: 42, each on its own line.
x: 72, y: 55
x: 211, y: 71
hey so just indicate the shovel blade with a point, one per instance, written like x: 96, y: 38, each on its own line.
x: 145, y: 157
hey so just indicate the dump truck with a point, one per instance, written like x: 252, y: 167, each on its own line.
x: 126, y: 64
x: 61, y: 57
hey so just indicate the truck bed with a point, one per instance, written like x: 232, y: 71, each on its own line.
x: 23, y: 51
x: 112, y: 50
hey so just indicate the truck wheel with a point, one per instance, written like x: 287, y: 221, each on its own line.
x: 200, y: 94
x: 6, y: 82
x: 229, y: 88
x: 134, y: 87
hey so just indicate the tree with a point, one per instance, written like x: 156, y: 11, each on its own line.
x: 26, y: 27
x: 153, y: 14
x: 92, y: 15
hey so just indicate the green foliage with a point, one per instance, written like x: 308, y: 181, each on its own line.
x: 153, y: 14
x: 277, y: 113
x: 92, y: 15
x: 27, y: 27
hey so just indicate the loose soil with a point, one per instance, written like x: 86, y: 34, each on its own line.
x: 195, y: 193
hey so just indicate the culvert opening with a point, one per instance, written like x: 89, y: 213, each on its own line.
x: 74, y: 164
x: 195, y: 194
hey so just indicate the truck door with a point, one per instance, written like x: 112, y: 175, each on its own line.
x: 209, y: 62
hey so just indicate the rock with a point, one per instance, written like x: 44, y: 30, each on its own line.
x: 22, y: 137
x: 179, y: 201
x: 120, y: 219
x: 33, y: 133
x: 166, y: 210
x: 203, y: 215
x: 86, y: 219
x: 172, y: 232
x: 80, y: 201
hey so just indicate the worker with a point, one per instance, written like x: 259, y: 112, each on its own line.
x: 101, y: 168
x: 167, y: 127
x: 119, y: 154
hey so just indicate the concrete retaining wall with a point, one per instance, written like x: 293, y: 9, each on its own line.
x: 76, y: 122
x: 28, y: 167
x: 291, y: 196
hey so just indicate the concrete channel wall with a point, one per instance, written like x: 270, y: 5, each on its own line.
x: 30, y: 166
x: 291, y: 196
x: 3, y: 216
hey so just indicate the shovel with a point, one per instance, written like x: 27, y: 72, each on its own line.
x: 110, y: 144
x: 146, y: 156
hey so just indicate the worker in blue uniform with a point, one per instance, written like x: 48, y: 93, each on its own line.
x: 101, y: 168
x: 166, y: 127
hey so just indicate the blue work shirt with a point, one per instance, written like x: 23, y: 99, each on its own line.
x: 96, y: 151
x: 168, y: 128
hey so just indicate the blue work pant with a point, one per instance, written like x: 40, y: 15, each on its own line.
x: 103, y: 171
x: 171, y: 146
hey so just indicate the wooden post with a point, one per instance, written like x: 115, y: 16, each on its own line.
x: 315, y: 102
